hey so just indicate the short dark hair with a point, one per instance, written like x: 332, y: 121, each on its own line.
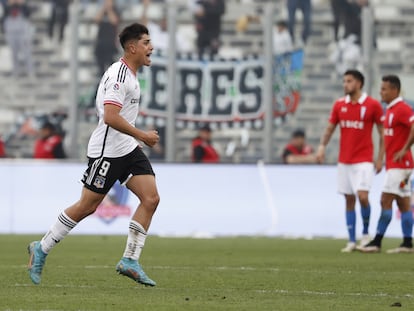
x: 206, y: 127
x: 356, y: 74
x: 281, y: 24
x: 298, y: 133
x: 132, y: 32
x: 49, y: 126
x: 393, y: 80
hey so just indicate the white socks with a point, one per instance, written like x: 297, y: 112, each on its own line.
x: 57, y: 232
x: 135, y: 241
x: 63, y: 225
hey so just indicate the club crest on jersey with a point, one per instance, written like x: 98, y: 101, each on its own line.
x: 99, y: 182
x: 116, y: 87
x: 362, y: 112
x: 344, y: 109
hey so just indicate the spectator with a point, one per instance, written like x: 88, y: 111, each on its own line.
x: 282, y: 41
x: 348, y: 13
x: 306, y: 7
x: 339, y: 9
x: 207, y: 14
x: 19, y: 31
x: 49, y: 145
x: 2, y: 148
x: 60, y: 14
x: 347, y: 54
x: 202, y: 149
x: 160, y: 37
x: 297, y: 151
x: 108, y: 20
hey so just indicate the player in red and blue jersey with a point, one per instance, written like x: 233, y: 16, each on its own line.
x: 398, y: 138
x: 356, y: 114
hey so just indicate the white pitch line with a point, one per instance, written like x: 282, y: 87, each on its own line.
x: 223, y: 268
x: 258, y: 291
x: 317, y: 293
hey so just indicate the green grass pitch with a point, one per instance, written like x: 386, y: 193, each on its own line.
x: 243, y: 273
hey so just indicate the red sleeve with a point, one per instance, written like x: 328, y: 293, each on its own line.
x: 333, y: 118
x: 2, y: 149
x: 406, y: 115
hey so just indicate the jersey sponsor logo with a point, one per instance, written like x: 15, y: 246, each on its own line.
x: 135, y: 101
x: 359, y: 125
x: 114, y: 205
x: 389, y: 132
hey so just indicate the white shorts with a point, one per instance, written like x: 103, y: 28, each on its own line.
x: 355, y: 177
x: 397, y: 181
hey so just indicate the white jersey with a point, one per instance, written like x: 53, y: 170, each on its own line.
x: 119, y: 86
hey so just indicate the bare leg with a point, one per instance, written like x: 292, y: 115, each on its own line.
x: 144, y: 187
x: 87, y: 205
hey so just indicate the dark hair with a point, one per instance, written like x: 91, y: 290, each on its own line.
x: 205, y: 127
x: 393, y: 80
x: 298, y: 133
x: 132, y: 32
x: 281, y: 24
x: 49, y: 126
x: 356, y: 74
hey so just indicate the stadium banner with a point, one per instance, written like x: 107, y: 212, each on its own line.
x: 220, y: 90
x: 197, y: 200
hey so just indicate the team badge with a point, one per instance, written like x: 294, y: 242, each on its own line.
x: 99, y: 182
x: 116, y: 87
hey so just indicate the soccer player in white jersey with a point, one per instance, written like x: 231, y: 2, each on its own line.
x: 114, y: 154
x: 356, y: 113
x: 398, y: 138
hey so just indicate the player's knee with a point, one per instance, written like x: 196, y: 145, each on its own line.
x: 151, y: 201
x: 386, y: 204
x: 364, y: 201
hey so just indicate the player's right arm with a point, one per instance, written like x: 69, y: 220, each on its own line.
x: 325, y: 138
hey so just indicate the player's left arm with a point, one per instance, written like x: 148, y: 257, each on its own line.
x: 113, y: 118
x: 379, y: 162
x: 398, y: 156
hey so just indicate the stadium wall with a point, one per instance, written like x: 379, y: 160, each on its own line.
x: 196, y: 200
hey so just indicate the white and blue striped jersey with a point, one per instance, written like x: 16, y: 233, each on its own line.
x: 119, y: 86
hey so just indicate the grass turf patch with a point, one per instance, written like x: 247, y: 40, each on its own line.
x: 207, y: 274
